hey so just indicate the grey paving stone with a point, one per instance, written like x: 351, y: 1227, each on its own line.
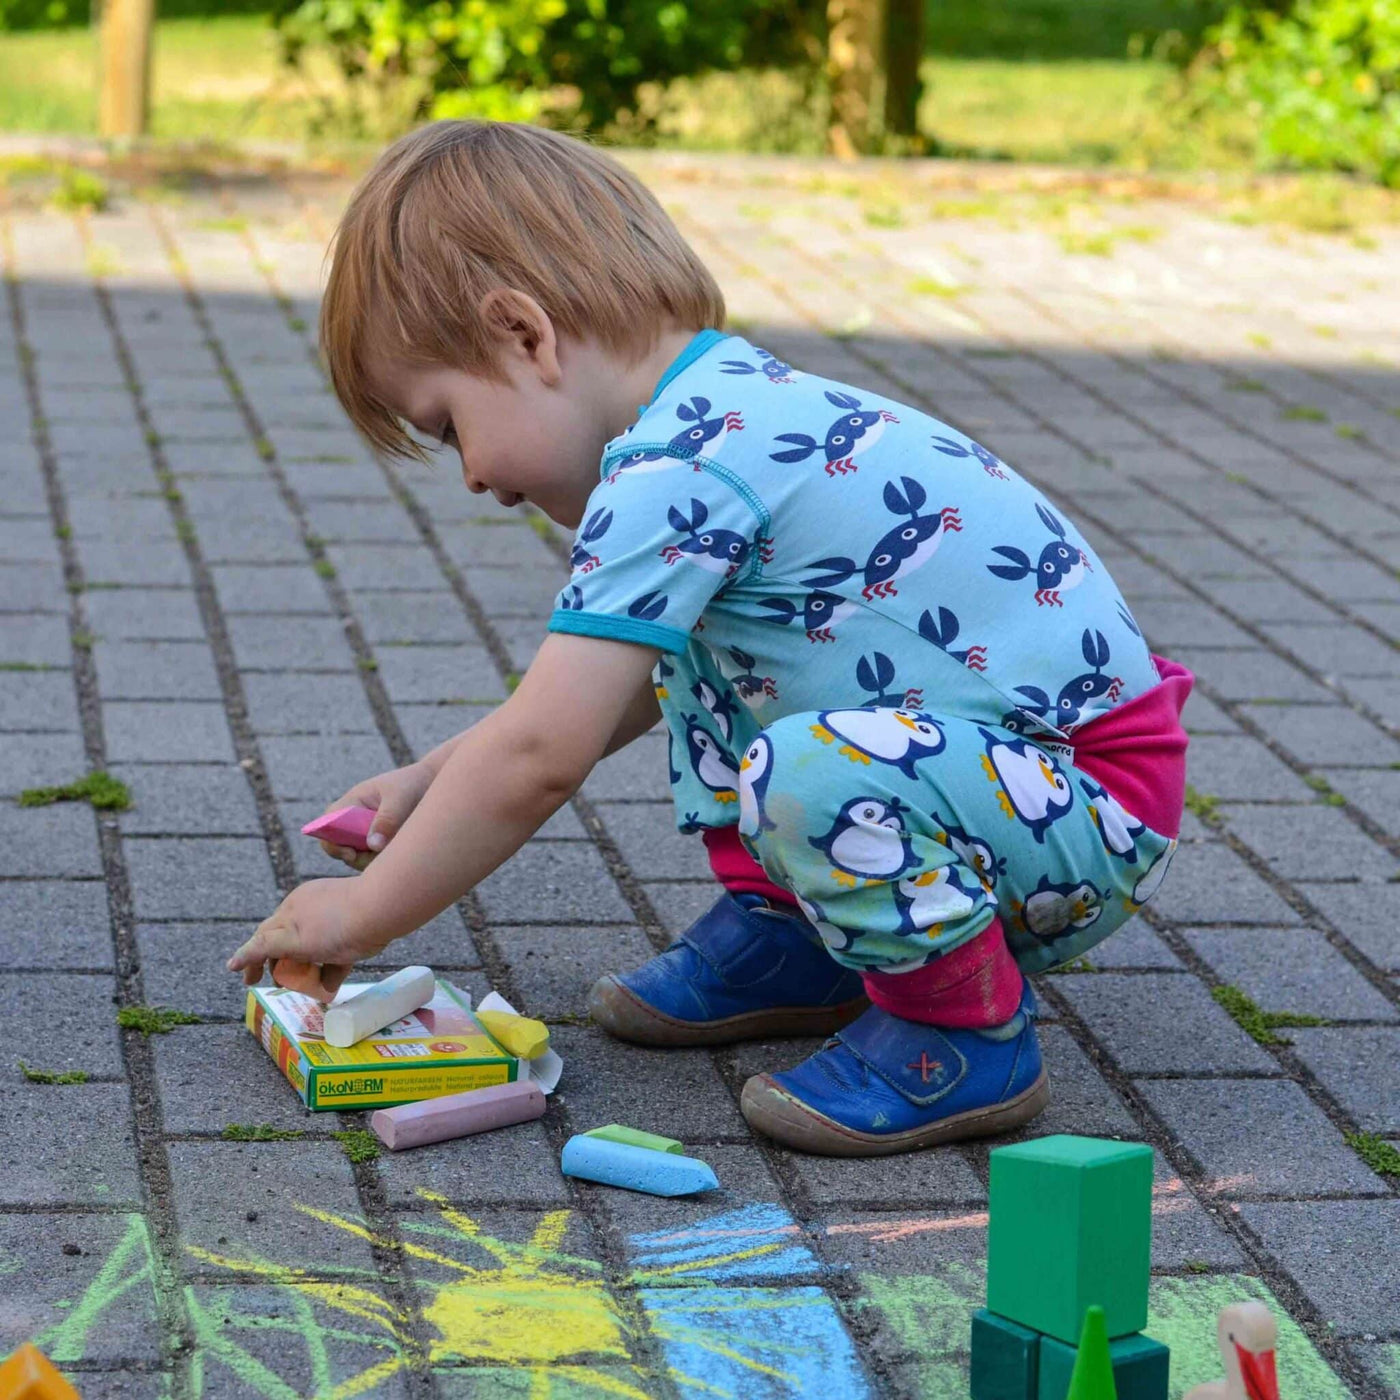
x: 1252, y: 675
x: 1241, y: 770
x: 26, y: 587
x: 52, y: 841
x: 274, y: 643
x: 1082, y: 1101
x: 478, y: 543
x: 946, y: 1245
x: 1169, y: 623
x: 1256, y: 1137
x: 311, y: 480
x: 936, y: 1179
x: 679, y: 903
x: 182, y: 966
x: 427, y: 726
x: 1382, y: 1362
x: 55, y: 924
x: 37, y: 700
x: 1377, y: 693
x: 255, y: 540
x: 1337, y: 650
x: 443, y: 944
x: 254, y: 1324
x: 1314, y: 842
x: 144, y: 614
x: 428, y: 617
x: 637, y: 772
x: 553, y: 881
x: 1326, y: 734
x: 251, y: 1089
x: 34, y: 639
x: 53, y: 1261
x: 44, y: 1162
x: 1291, y: 970
x: 609, y: 1082
x: 200, y: 878
x: 1159, y: 1023
x: 1133, y: 946
x: 437, y: 674
x: 1374, y: 791
x: 646, y: 834
x: 1203, y: 716
x: 156, y: 671
x: 1368, y: 915
x: 370, y: 568
x: 270, y: 588
x: 271, y: 1179
x: 345, y: 523
x: 1320, y: 1244
x: 1184, y: 1232
x: 146, y: 731
x: 78, y: 1029
x: 320, y: 768
x: 1209, y: 884
x: 516, y: 592
x: 187, y: 800
x: 151, y: 567
x: 40, y: 760
x: 1356, y: 1065
x: 517, y: 1166
x: 1269, y: 600
x: 554, y: 968
x: 304, y: 702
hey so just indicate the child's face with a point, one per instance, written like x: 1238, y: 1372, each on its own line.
x: 536, y: 436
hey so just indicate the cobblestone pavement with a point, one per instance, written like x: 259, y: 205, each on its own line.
x: 211, y: 590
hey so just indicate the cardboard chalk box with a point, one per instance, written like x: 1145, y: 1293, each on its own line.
x: 439, y: 1049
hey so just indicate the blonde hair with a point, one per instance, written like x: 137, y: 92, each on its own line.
x: 459, y: 209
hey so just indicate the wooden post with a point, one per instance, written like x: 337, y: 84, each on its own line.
x: 855, y: 50
x: 125, y: 105
x: 904, y: 50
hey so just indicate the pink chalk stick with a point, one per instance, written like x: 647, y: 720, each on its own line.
x: 458, y: 1115
x: 347, y: 827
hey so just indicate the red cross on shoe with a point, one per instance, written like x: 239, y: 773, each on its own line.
x: 923, y: 1064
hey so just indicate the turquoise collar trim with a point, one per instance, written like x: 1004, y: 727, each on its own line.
x: 700, y: 343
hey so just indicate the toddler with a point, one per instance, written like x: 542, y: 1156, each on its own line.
x: 909, y: 712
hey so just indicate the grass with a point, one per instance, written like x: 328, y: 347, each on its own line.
x: 259, y: 1132
x: 1203, y: 804
x: 1378, y: 1154
x: 1260, y: 1025
x: 52, y: 1076
x: 106, y: 793
x: 358, y: 1145
x: 153, y: 1020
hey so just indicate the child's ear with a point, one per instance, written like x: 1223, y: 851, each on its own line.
x: 524, y: 327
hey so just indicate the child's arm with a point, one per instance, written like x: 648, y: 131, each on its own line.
x: 500, y: 782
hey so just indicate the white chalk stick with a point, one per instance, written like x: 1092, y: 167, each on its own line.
x: 378, y: 1006
x: 458, y: 1115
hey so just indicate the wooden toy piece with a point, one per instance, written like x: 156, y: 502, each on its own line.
x: 634, y: 1137
x: 523, y: 1037
x: 1093, y: 1367
x: 347, y: 1022
x: 347, y: 827
x: 1071, y: 1226
x: 29, y: 1375
x: 458, y: 1115
x: 1248, y: 1338
x: 1005, y: 1358
x: 635, y: 1168
x: 1141, y: 1368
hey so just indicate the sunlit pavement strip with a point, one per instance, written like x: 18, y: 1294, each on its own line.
x: 209, y: 588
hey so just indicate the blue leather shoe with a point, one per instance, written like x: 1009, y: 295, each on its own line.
x: 742, y: 971
x: 886, y: 1085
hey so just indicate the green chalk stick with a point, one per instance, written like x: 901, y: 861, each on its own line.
x: 634, y: 1137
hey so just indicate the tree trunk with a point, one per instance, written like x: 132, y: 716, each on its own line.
x: 904, y: 48
x: 125, y: 106
x: 854, y: 51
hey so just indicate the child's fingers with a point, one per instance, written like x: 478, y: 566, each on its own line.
x: 298, y: 977
x: 271, y: 940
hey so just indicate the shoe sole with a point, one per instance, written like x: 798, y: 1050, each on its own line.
x: 771, y: 1110
x: 623, y: 1014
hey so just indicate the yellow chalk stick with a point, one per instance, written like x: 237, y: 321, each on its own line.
x: 30, y: 1375
x: 523, y: 1037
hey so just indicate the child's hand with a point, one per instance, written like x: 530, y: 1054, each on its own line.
x: 392, y: 795
x: 312, y: 940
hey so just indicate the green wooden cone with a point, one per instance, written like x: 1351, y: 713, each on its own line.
x: 1093, y: 1367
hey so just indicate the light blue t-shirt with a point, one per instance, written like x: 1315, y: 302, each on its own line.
x: 795, y: 544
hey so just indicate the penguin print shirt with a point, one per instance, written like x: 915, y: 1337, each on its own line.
x: 794, y: 544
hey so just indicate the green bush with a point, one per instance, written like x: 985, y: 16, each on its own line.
x: 53, y: 14
x: 1320, y: 82
x: 570, y: 61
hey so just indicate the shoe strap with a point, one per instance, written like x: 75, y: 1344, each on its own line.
x: 918, y: 1062
x: 734, y: 939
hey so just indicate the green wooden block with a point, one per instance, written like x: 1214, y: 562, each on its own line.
x: 1071, y: 1226
x: 1140, y: 1368
x: 634, y: 1137
x: 1004, y: 1356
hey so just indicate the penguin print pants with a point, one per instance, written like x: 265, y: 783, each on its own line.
x: 902, y: 834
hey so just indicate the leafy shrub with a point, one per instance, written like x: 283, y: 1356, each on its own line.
x: 53, y: 14
x: 1320, y: 82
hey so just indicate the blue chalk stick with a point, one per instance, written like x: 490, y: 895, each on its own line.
x: 636, y: 1168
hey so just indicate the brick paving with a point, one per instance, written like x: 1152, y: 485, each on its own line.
x: 208, y: 587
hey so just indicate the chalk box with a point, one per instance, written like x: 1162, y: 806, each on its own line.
x: 438, y: 1049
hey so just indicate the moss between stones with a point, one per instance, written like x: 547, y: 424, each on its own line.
x: 1261, y: 1025
x: 153, y: 1020
x: 101, y: 789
